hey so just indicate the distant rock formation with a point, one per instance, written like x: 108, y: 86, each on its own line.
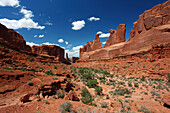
x: 152, y: 28
x: 116, y: 36
x: 11, y: 39
x: 51, y: 50
x: 91, y: 46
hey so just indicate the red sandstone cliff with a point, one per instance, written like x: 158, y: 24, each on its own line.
x: 11, y: 39
x: 158, y: 15
x: 152, y: 28
x: 116, y: 36
x: 49, y: 50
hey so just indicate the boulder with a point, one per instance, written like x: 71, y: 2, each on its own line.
x: 72, y: 96
x: 25, y: 98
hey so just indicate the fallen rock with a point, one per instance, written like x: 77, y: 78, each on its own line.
x: 25, y: 98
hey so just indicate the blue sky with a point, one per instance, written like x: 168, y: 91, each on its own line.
x: 70, y: 23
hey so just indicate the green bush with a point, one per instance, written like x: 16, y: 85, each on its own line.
x: 136, y: 84
x: 144, y: 109
x: 121, y: 91
x: 49, y: 72
x: 92, y: 83
x: 86, y: 96
x: 129, y: 84
x: 86, y: 76
x: 30, y: 83
x: 66, y: 107
x: 98, y: 89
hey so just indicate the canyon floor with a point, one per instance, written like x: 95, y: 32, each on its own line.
x: 35, y: 84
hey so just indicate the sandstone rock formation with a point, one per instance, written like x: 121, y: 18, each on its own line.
x: 51, y: 50
x: 11, y: 39
x: 116, y: 36
x: 91, y: 46
x: 158, y: 15
x: 152, y: 28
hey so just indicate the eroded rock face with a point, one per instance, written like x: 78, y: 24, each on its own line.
x: 110, y: 40
x: 158, y: 15
x: 91, y: 46
x: 96, y: 43
x: 11, y: 39
x: 116, y: 36
x: 51, y: 50
x: 120, y: 33
x: 152, y: 28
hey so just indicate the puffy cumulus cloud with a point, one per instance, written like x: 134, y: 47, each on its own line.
x: 22, y: 23
x: 74, y: 52
x: 93, y: 19
x: 27, y: 13
x: 60, y: 40
x: 66, y: 42
x: 99, y: 32
x: 48, y: 23
x: 25, y: 22
x: 31, y: 43
x: 12, y: 3
x: 104, y: 35
x: 40, y: 36
x: 77, y: 25
x: 103, y: 42
x: 35, y: 35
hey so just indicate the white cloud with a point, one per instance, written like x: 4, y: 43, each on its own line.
x: 99, y: 32
x: 48, y: 23
x: 31, y: 43
x: 12, y: 3
x: 60, y: 40
x: 69, y: 46
x: 22, y: 23
x: 27, y: 13
x: 40, y: 36
x: 93, y: 18
x: 103, y: 42
x: 66, y: 42
x: 77, y: 25
x: 77, y: 47
x: 103, y: 35
x: 74, y: 52
x: 35, y: 35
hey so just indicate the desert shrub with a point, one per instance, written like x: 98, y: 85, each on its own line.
x: 98, y: 89
x: 104, y: 105
x: 30, y: 83
x: 86, y: 96
x: 129, y: 84
x: 86, y: 76
x: 136, y: 84
x: 49, y: 72
x: 121, y: 91
x: 143, y: 78
x: 60, y: 93
x: 144, y: 109
x: 92, y: 83
x: 121, y: 83
x: 66, y: 107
